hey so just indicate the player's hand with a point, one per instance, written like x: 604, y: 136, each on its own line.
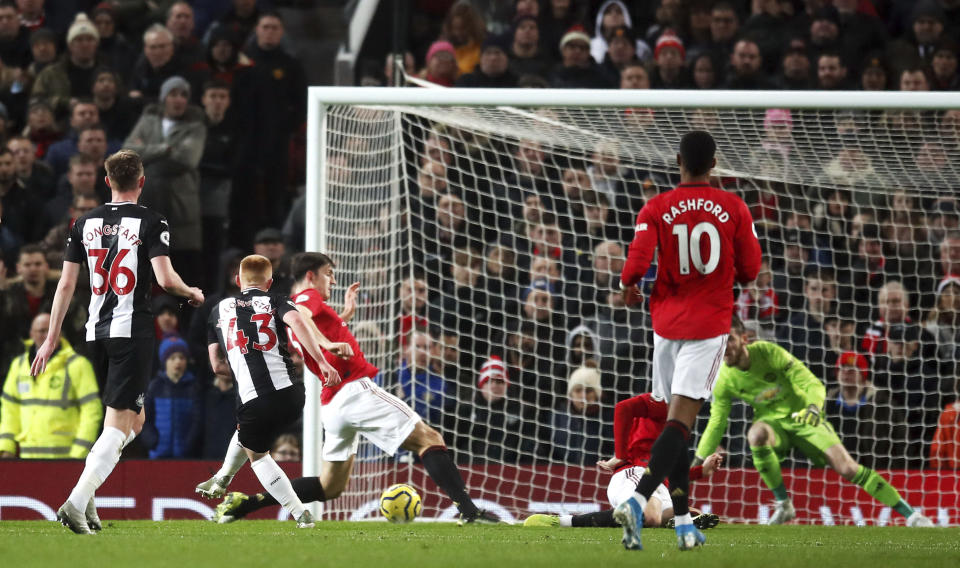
x: 713, y: 462
x: 350, y: 297
x: 43, y: 355
x: 330, y: 376
x: 610, y: 465
x: 809, y: 416
x: 341, y: 350
x: 196, y: 297
x: 632, y: 296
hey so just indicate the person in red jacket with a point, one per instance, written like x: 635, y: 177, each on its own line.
x: 705, y: 241
x: 637, y: 423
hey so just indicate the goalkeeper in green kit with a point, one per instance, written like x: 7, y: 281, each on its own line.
x: 787, y: 401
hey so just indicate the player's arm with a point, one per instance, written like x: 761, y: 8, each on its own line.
x: 61, y: 301
x: 641, y: 251
x: 299, y: 324
x: 717, y: 425
x: 350, y: 302
x: 748, y: 254
x: 170, y: 281
x: 217, y: 362
x: 340, y: 349
x: 805, y: 384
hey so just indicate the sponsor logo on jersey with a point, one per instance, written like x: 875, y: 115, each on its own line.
x: 165, y: 238
x: 640, y: 227
x: 140, y: 401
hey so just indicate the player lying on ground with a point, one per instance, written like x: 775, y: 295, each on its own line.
x: 787, y: 401
x: 356, y: 407
x: 704, y: 240
x: 637, y: 422
x: 248, y: 329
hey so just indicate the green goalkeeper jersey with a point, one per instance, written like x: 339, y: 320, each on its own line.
x: 776, y: 385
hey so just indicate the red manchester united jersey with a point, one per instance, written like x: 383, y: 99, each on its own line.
x: 334, y: 329
x: 705, y: 240
x: 637, y: 423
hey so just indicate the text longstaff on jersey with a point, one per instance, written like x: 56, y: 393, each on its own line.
x: 699, y: 204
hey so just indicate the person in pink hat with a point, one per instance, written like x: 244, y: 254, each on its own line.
x: 441, y: 64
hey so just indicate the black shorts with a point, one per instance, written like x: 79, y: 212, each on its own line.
x: 124, y: 366
x: 262, y: 419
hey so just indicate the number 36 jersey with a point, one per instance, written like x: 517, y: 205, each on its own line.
x: 705, y: 240
x: 116, y: 241
x: 250, y: 330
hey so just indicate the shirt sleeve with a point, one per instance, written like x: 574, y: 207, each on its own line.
x: 212, y: 325
x: 308, y: 301
x: 719, y: 412
x: 805, y: 384
x: 159, y: 238
x: 284, y: 305
x: 748, y: 254
x: 74, y: 251
x: 644, y: 244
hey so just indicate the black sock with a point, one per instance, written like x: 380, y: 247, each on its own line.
x: 441, y: 469
x: 664, y: 454
x: 308, y: 489
x: 598, y: 519
x: 680, y: 483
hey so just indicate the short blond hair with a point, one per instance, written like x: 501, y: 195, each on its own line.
x: 255, y: 270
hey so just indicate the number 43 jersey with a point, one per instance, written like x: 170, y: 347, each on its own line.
x: 250, y: 330
x: 705, y: 240
x: 116, y: 241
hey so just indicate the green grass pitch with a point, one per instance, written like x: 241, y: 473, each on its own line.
x: 185, y: 544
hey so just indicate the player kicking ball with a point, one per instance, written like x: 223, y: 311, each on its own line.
x: 353, y: 408
x: 637, y: 422
x: 249, y: 329
x: 787, y: 401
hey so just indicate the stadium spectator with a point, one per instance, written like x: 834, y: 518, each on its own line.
x: 35, y: 175
x: 58, y: 234
x: 180, y: 22
x: 216, y: 174
x: 166, y: 315
x: 43, y: 50
x: 173, y: 406
x: 80, y: 180
x: 795, y: 70
x: 841, y: 337
x: 944, y: 66
x: 493, y: 69
x: 831, y: 72
x: 83, y: 113
x: 527, y: 57
x: 494, y: 424
x: 859, y: 32
x: 55, y: 414
x: 852, y: 167
x: 170, y: 138
x: 943, y: 321
x: 72, y: 76
x: 621, y: 51
x: 269, y: 243
x: 441, y: 64
x: 416, y: 312
x: 758, y: 301
x: 914, y: 79
x: 580, y: 420
x: 14, y: 38
x: 945, y: 450
x: 865, y: 417
x: 805, y: 332
x: 927, y: 27
x: 892, y: 308
x: 634, y: 76
x: 114, y: 50
x: 703, y: 70
x: 500, y: 278
x: 155, y: 65
x: 41, y: 126
x: 724, y: 28
x: 286, y: 448
x: 118, y: 113
x: 873, y: 76
x: 19, y: 205
x: 870, y: 268
x: 465, y: 29
x: 669, y: 71
x: 419, y: 383
x: 240, y: 20
x: 767, y: 27
x: 577, y: 69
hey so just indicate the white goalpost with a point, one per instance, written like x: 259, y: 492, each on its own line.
x: 490, y: 225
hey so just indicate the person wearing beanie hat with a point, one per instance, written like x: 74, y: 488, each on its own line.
x: 578, y: 69
x: 43, y: 49
x: 494, y: 67
x: 72, y: 75
x: 170, y: 136
x: 788, y: 403
x: 441, y: 64
x: 173, y: 405
x: 670, y: 71
x: 579, y: 419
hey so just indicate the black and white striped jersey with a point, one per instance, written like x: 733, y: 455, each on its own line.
x: 117, y: 241
x: 250, y: 330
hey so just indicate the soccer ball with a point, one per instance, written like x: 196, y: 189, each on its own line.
x: 400, y: 503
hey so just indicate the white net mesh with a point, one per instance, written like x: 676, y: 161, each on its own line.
x: 482, y: 232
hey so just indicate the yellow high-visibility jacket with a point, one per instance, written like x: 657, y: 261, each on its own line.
x: 54, y: 415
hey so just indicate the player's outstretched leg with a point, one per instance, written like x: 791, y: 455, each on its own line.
x: 762, y: 439
x: 238, y: 505
x: 216, y: 486
x: 688, y: 535
x: 277, y: 484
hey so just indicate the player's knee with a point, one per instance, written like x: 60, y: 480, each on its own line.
x: 758, y: 436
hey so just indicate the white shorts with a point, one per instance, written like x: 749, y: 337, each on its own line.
x: 361, y: 408
x: 623, y: 485
x: 686, y: 367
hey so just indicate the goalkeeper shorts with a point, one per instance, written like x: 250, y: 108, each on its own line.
x: 813, y: 441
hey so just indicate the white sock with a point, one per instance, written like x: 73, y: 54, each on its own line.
x: 566, y: 520
x: 277, y: 485
x: 101, y: 460
x: 129, y: 439
x: 235, y: 458
x: 641, y: 500
x: 681, y: 520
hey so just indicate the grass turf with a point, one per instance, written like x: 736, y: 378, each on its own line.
x: 185, y: 544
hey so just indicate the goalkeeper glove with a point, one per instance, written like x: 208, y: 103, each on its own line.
x: 810, y: 415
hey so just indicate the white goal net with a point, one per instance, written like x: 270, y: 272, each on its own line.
x: 488, y: 237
